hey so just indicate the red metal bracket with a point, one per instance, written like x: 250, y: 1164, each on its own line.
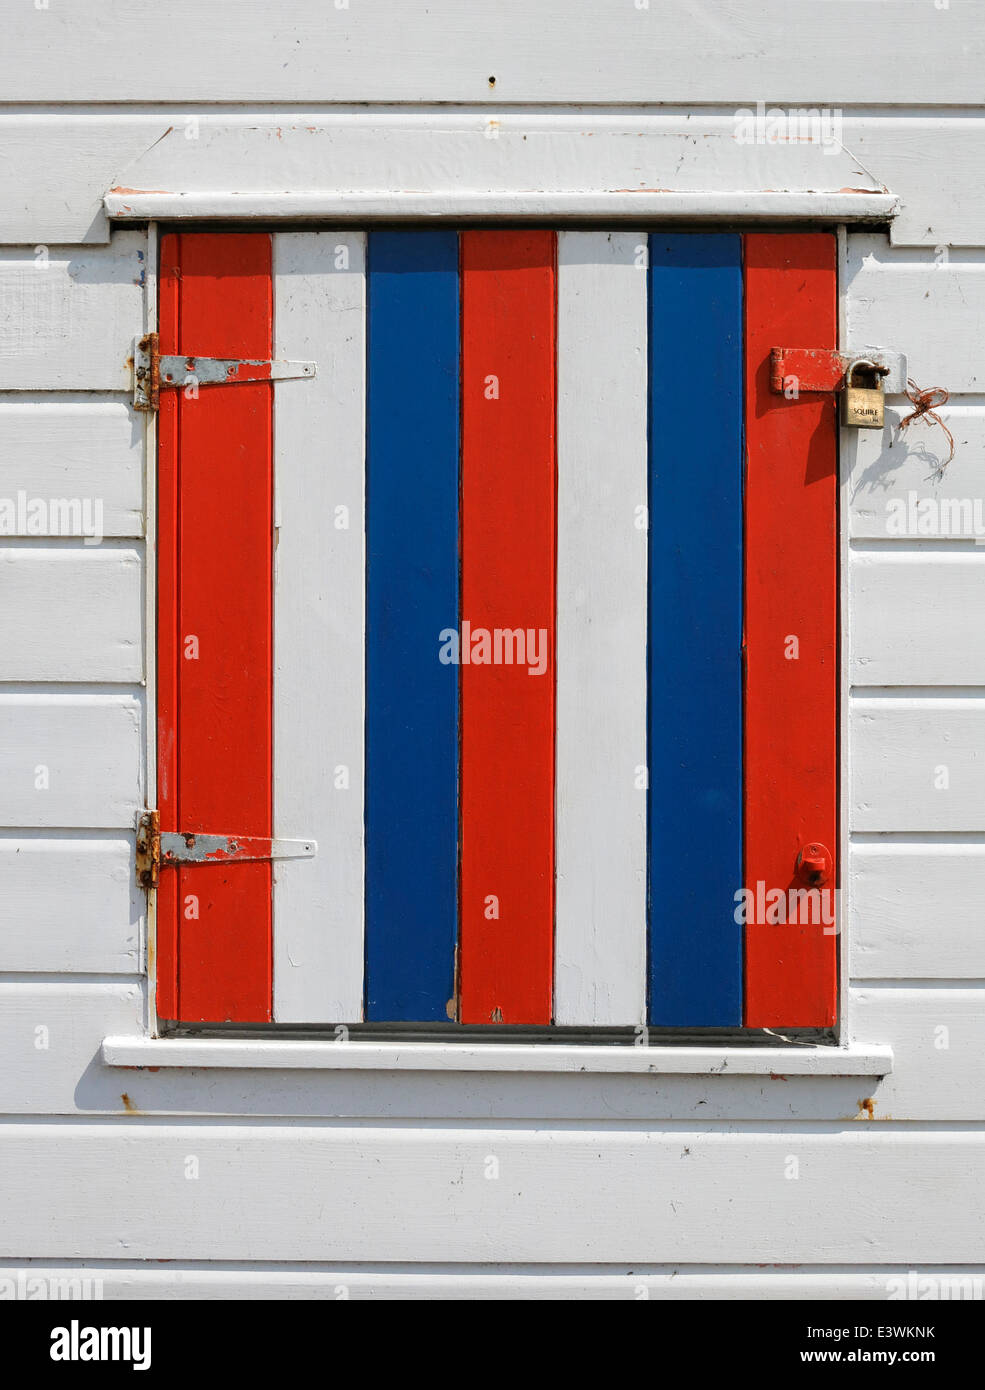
x: 823, y: 369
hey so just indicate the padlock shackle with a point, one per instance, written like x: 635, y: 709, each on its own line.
x: 857, y: 362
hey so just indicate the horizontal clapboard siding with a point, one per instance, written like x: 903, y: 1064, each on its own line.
x: 464, y: 1282
x: 898, y: 489
x: 433, y: 50
x: 915, y: 619
x: 916, y: 911
x: 918, y: 764
x: 939, y: 1049
x: 405, y: 1193
x: 71, y: 614
x: 68, y: 318
x: 927, y: 303
x: 69, y: 903
x: 86, y: 747
x: 486, y: 152
x: 84, y: 447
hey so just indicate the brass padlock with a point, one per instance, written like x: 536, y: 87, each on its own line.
x: 862, y: 406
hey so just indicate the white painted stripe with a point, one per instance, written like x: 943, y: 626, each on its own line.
x: 600, y: 942
x: 319, y: 625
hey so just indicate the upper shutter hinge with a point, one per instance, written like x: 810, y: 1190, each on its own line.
x: 153, y: 373
x: 157, y: 849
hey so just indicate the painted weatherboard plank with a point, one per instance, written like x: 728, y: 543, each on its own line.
x: 215, y: 638
x: 928, y: 302
x: 69, y: 903
x: 412, y: 1193
x: 70, y: 760
x: 82, y: 155
x: 68, y: 318
x: 695, y: 632
x: 437, y: 51
x: 905, y: 145
x: 50, y: 1030
x: 791, y: 623
x: 356, y: 154
x: 71, y: 614
x: 455, y: 1282
x: 83, y: 457
x: 938, y: 1044
x: 412, y: 520
x: 918, y: 763
x: 910, y: 618
x: 319, y: 625
x: 898, y: 486
x: 600, y: 929
x: 508, y: 598
x: 916, y: 910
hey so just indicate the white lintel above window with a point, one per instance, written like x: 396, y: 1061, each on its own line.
x: 478, y: 164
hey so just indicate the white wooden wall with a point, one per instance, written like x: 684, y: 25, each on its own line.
x: 375, y: 1183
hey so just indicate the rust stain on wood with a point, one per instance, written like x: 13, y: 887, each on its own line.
x: 124, y: 191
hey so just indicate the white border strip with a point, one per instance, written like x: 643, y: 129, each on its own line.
x: 522, y: 1057
x: 149, y: 944
x: 383, y: 204
x: 319, y: 625
x: 600, y: 934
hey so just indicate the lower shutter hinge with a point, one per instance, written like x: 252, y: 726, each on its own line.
x: 157, y: 849
x: 153, y: 373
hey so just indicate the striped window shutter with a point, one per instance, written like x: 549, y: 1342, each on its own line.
x: 523, y: 608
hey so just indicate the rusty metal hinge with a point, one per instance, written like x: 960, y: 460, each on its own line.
x: 157, y: 849
x: 823, y: 369
x: 153, y: 373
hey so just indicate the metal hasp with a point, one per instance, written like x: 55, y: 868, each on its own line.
x: 824, y: 369
x: 157, y: 849
x: 153, y: 373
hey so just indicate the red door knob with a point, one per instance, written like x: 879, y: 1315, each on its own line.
x: 813, y: 865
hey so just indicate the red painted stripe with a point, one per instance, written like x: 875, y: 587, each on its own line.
x: 791, y: 595
x: 508, y: 529
x: 216, y: 710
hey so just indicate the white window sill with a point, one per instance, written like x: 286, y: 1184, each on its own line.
x: 873, y: 1060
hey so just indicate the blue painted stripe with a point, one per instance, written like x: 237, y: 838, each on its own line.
x: 412, y: 595
x: 695, y: 629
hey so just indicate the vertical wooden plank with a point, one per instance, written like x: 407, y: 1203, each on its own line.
x: 412, y: 599
x: 319, y: 625
x: 219, y: 657
x: 695, y: 629
x: 508, y: 583
x: 600, y: 931
x: 791, y: 625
